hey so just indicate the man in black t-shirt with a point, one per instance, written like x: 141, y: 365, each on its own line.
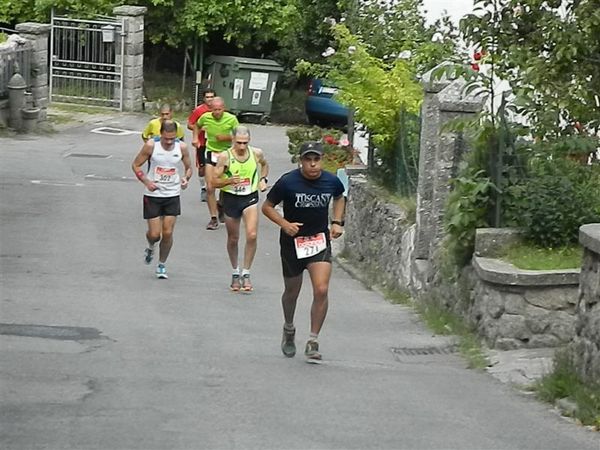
x: 305, y: 239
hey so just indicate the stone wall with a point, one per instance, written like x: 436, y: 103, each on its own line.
x: 378, y: 237
x: 510, y: 317
x: 585, y: 347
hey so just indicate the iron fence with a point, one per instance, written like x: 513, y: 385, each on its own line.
x: 397, y: 167
x: 12, y: 60
x: 86, y: 63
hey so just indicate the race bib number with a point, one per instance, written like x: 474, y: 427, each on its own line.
x: 165, y: 174
x: 243, y: 187
x: 307, y: 246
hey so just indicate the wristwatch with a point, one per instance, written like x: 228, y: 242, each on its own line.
x: 265, y: 178
x: 337, y: 222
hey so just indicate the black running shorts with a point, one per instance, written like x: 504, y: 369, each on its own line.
x: 201, y: 156
x: 161, y: 206
x: 292, y: 266
x: 234, y: 205
x: 211, y: 157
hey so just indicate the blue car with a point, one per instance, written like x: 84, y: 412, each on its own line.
x: 320, y: 106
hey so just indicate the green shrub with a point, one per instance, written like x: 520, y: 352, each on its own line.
x: 563, y: 382
x: 557, y: 197
x: 466, y: 211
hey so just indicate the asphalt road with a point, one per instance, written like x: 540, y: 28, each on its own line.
x: 96, y: 353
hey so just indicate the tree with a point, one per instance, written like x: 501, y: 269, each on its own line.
x: 397, y: 28
x: 548, y: 52
x: 178, y: 22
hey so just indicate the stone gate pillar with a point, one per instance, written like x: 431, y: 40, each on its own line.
x: 430, y: 131
x: 584, y: 350
x: 440, y: 155
x: 453, y: 105
x: 133, y: 58
x: 38, y: 34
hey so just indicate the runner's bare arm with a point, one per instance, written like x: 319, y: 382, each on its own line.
x: 264, y: 168
x: 290, y: 228
x: 338, y: 216
x: 217, y: 181
x: 187, y: 165
x: 140, y: 160
x: 192, y: 119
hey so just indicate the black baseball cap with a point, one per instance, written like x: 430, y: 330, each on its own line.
x: 311, y: 147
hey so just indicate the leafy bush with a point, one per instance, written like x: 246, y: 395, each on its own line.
x: 563, y: 382
x: 558, y: 197
x: 466, y: 211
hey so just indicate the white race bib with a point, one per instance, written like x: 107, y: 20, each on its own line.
x: 243, y: 187
x: 307, y: 246
x: 165, y: 175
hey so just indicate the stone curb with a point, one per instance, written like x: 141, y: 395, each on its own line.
x: 500, y: 272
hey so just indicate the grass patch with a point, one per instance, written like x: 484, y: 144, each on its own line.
x: 564, y: 382
x: 445, y: 323
x: 531, y: 257
x: 397, y: 297
x: 166, y: 87
x: 73, y: 108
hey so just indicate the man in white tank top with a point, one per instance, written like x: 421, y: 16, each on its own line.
x: 163, y: 157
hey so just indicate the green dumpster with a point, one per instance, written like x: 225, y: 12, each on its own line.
x: 246, y: 84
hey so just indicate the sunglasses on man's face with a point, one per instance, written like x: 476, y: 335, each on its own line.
x: 241, y: 142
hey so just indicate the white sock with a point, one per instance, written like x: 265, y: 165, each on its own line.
x: 245, y: 272
x: 313, y: 336
x: 236, y: 271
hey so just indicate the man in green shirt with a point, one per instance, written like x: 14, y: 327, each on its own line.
x: 218, y: 126
x: 240, y: 173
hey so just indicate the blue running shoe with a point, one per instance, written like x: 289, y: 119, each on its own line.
x: 161, y: 272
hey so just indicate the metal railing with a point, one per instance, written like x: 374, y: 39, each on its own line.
x: 86, y: 66
x: 13, y: 60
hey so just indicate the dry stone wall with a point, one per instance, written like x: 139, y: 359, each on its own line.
x: 585, y: 347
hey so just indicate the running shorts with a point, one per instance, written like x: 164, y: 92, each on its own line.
x: 234, y: 205
x: 161, y: 206
x: 292, y: 266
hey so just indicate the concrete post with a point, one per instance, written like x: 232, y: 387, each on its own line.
x: 132, y: 18
x: 38, y: 34
x: 430, y: 132
x: 16, y: 101
x: 453, y: 105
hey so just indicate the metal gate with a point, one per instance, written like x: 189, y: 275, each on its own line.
x: 86, y: 66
